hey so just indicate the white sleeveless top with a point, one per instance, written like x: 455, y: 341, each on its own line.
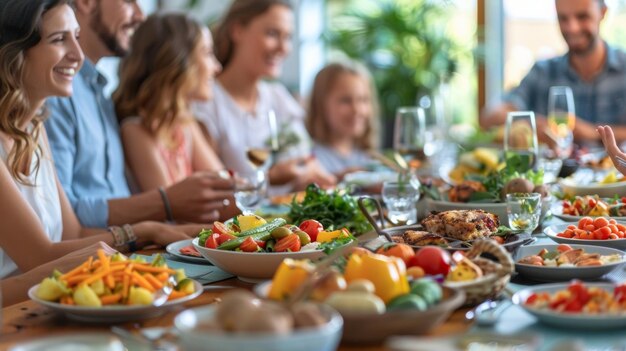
x: 43, y: 198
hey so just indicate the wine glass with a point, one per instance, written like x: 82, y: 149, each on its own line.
x: 409, y: 133
x: 434, y: 125
x: 520, y: 141
x: 264, y: 156
x: 561, y: 120
x: 250, y: 190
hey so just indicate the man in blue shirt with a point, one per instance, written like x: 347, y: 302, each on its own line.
x: 595, y: 71
x: 84, y: 136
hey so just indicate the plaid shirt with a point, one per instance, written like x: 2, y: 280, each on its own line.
x: 600, y: 101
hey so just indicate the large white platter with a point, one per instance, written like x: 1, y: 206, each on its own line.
x: 570, y: 320
x: 554, y: 274
x: 113, y: 313
x: 553, y: 230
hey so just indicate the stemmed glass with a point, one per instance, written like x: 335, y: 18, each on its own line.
x: 561, y: 120
x: 409, y: 133
x: 265, y: 155
x: 434, y: 129
x: 250, y: 190
x: 520, y: 140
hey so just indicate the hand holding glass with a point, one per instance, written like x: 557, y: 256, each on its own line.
x: 524, y: 211
x: 401, y: 198
x: 250, y: 190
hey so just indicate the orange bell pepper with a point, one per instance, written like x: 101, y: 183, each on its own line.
x: 388, y: 274
x: 288, y: 277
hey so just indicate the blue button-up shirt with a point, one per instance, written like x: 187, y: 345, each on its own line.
x: 600, y: 101
x: 87, y: 149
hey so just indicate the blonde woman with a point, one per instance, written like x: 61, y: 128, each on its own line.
x: 170, y: 64
x: 39, y: 56
x: 341, y: 117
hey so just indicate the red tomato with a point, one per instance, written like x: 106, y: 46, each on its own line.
x: 221, y: 228
x: 620, y: 293
x: 432, y: 259
x: 311, y: 227
x: 224, y: 238
x: 579, y: 292
x: 249, y: 245
x: 211, y: 241
x: 563, y: 247
x: 289, y: 243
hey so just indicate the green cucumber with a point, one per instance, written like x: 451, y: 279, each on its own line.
x: 267, y: 227
x: 234, y: 243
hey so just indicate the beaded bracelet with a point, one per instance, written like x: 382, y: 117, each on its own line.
x: 119, y: 236
x: 131, y: 237
x: 166, y: 203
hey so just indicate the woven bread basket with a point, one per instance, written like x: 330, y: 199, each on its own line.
x: 495, y: 274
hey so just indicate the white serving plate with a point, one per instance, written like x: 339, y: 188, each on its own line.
x: 573, y: 187
x: 174, y: 250
x: 252, y: 266
x: 194, y: 337
x: 557, y: 211
x: 113, y: 313
x: 554, y: 274
x: 569, y: 320
x: 553, y: 230
x: 79, y: 342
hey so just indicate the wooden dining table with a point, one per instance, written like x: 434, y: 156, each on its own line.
x: 28, y: 320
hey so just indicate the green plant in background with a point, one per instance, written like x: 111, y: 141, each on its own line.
x: 404, y: 43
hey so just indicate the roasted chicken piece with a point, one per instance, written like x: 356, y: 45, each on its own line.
x: 462, y: 224
x: 462, y: 192
x: 421, y: 238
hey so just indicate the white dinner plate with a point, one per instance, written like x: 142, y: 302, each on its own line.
x: 113, y: 313
x: 555, y: 274
x: 570, y: 320
x: 78, y: 342
x: 174, y: 250
x: 557, y: 211
x: 553, y: 230
x: 573, y: 186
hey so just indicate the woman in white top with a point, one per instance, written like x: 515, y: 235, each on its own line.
x: 251, y: 43
x: 39, y: 56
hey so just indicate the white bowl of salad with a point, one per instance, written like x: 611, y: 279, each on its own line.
x: 252, y: 248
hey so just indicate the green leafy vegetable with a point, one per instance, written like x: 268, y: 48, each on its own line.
x: 203, y: 235
x: 334, y: 210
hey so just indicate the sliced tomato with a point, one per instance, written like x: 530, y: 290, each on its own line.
x: 249, y: 245
x: 221, y: 228
x: 211, y: 241
x: 289, y: 243
x: 224, y: 238
x: 620, y: 293
x: 311, y: 227
x: 261, y: 243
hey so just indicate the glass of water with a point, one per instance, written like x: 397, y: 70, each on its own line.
x: 524, y: 210
x: 401, y: 198
x: 250, y: 190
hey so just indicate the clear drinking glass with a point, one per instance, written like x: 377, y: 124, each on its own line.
x: 400, y: 198
x: 409, y: 133
x: 561, y: 120
x: 434, y: 124
x: 520, y: 140
x: 524, y: 210
x: 250, y: 190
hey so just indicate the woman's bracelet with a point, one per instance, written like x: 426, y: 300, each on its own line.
x: 119, y: 237
x: 166, y: 203
x: 131, y: 238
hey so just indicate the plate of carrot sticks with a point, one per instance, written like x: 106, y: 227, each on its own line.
x: 109, y: 289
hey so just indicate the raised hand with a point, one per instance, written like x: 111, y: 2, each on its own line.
x: 617, y: 156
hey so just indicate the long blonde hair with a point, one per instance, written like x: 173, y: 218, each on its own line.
x: 240, y: 12
x: 316, y: 121
x: 20, y: 25
x: 157, y: 70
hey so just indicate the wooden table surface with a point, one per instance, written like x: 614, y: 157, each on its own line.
x: 28, y: 320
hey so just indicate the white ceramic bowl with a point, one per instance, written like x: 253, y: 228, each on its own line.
x: 554, y: 274
x: 552, y: 231
x: 570, y: 320
x: 572, y: 187
x: 252, y: 266
x: 192, y: 337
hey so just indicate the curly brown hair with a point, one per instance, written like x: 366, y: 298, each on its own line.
x: 20, y: 25
x: 157, y: 71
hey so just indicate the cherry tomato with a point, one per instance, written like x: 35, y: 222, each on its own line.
x: 211, y: 241
x: 224, y: 238
x: 289, y: 243
x: 620, y: 293
x: 249, y: 245
x: 432, y: 259
x: 403, y: 251
x: 311, y: 227
x: 221, y: 228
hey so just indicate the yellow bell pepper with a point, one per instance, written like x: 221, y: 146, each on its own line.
x: 288, y: 277
x: 388, y: 274
x: 325, y: 236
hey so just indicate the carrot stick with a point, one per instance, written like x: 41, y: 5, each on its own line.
x: 176, y: 294
x: 150, y: 269
x: 126, y: 281
x: 110, y: 299
x: 74, y: 271
x: 163, y: 276
x: 142, y: 282
x: 77, y: 279
x: 101, y: 275
x: 110, y: 281
x: 156, y: 284
x: 103, y: 259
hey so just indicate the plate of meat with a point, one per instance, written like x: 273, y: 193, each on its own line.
x: 185, y: 251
